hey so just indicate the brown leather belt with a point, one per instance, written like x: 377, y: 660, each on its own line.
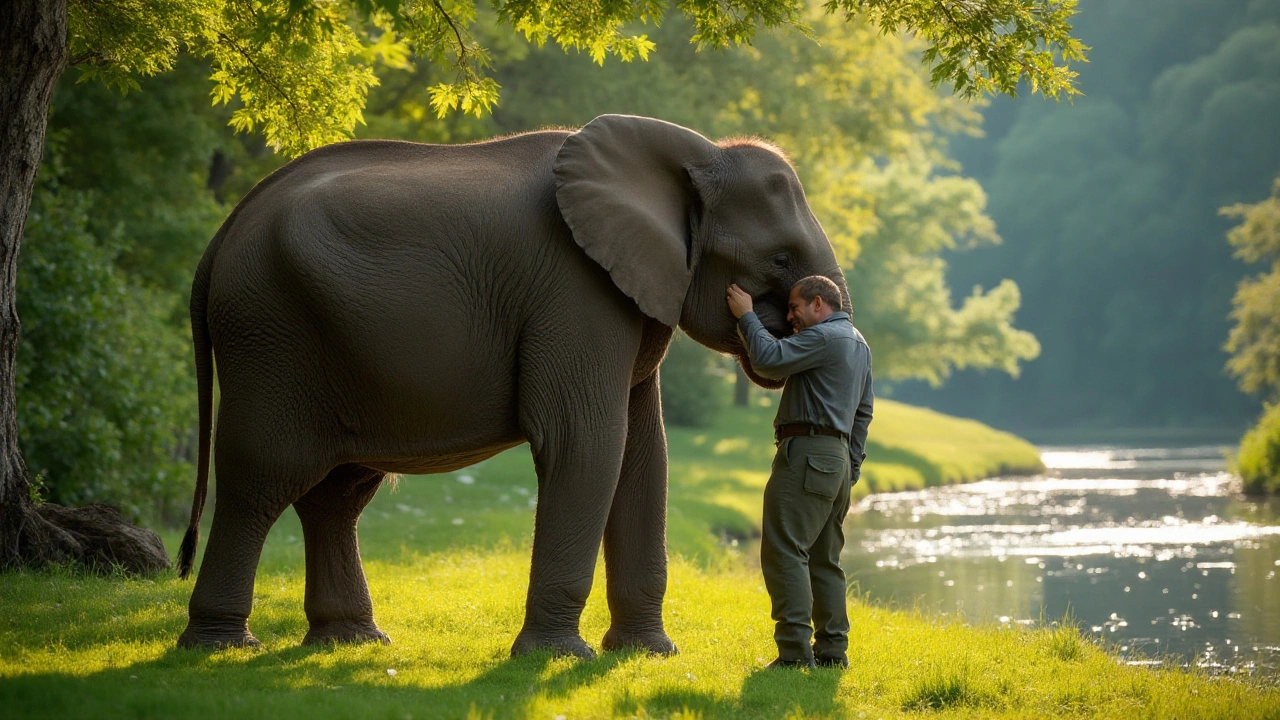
x: 796, y: 429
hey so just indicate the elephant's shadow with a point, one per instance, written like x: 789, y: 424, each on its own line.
x: 508, y: 688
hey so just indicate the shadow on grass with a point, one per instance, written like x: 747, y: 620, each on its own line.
x: 290, y: 683
x: 765, y: 693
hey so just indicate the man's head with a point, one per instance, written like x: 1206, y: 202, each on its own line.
x: 812, y: 300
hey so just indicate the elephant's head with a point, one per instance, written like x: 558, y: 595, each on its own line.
x: 674, y: 218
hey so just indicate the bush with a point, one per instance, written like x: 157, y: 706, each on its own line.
x: 1259, y: 459
x: 693, y: 386
x: 106, y: 395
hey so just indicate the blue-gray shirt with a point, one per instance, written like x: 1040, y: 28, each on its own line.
x: 828, y: 372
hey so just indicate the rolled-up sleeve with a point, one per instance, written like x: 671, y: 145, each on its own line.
x: 775, y: 359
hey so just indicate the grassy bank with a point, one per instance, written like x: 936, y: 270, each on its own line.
x: 1258, y: 459
x: 718, y: 473
x: 447, y: 559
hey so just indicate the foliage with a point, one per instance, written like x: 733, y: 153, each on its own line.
x: 986, y: 47
x: 1109, y: 212
x: 693, y: 383
x: 1254, y: 342
x: 146, y: 157
x: 1258, y: 460
x: 901, y: 299
x: 103, y: 384
x: 301, y: 70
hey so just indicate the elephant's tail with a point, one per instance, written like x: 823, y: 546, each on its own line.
x: 204, y: 387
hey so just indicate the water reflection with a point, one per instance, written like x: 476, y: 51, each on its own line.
x: 1150, y: 549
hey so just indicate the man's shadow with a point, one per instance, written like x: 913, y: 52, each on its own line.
x: 765, y: 693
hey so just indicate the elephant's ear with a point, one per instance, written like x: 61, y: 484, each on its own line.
x: 623, y: 186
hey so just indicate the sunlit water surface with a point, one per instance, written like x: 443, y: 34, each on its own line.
x: 1152, y: 551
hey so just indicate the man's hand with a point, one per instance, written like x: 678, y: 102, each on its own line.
x: 739, y: 301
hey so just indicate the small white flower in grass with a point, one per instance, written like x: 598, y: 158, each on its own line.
x: 457, y: 521
x: 466, y: 479
x: 391, y: 672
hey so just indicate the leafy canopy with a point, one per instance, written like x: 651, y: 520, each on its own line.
x: 301, y: 70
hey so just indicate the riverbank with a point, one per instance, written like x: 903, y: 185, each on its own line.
x: 447, y: 559
x: 718, y: 473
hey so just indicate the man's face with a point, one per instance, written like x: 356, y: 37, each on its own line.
x: 801, y: 314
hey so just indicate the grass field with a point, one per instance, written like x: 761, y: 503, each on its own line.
x: 448, y: 557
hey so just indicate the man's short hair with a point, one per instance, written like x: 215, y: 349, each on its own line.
x: 816, y: 286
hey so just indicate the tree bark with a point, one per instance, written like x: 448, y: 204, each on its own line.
x: 33, y: 54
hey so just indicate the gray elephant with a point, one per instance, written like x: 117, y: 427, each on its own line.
x: 386, y: 307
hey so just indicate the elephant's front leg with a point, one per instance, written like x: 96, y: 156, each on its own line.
x: 578, y: 460
x: 635, y: 538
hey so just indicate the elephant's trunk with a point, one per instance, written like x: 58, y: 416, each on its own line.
x: 846, y: 301
x: 766, y: 383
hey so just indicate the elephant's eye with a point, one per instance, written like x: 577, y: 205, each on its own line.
x: 781, y: 261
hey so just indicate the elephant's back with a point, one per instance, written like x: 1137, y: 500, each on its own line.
x: 375, y: 207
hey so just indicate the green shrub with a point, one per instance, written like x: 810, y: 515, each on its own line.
x: 1259, y: 459
x: 106, y: 395
x: 693, y: 383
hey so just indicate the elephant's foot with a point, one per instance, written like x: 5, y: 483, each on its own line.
x: 560, y: 645
x: 654, y: 642
x: 217, y: 637
x: 345, y: 633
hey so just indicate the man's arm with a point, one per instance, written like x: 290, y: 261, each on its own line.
x: 861, y: 423
x: 774, y: 358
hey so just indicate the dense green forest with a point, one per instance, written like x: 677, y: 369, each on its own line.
x: 133, y: 186
x: 1109, y: 211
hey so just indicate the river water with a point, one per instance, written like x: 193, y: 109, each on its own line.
x: 1151, y: 551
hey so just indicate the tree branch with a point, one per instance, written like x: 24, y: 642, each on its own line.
x: 462, y: 48
x: 295, y: 111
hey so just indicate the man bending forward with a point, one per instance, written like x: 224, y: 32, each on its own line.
x: 821, y: 430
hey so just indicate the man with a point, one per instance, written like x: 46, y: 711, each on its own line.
x: 821, y: 431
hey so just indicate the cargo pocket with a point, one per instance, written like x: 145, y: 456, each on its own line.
x: 823, y: 475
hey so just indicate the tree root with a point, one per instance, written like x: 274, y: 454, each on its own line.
x: 97, y: 537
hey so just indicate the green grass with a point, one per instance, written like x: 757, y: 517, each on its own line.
x: 448, y: 567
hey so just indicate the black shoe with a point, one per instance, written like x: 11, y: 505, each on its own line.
x: 831, y: 662
x: 780, y: 663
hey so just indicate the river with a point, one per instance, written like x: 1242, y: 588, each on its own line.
x: 1151, y: 551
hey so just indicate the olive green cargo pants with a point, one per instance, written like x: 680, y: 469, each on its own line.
x: 805, y: 503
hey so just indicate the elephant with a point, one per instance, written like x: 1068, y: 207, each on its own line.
x: 379, y: 307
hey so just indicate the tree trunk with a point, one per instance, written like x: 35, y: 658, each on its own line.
x: 741, y: 387
x: 33, y: 53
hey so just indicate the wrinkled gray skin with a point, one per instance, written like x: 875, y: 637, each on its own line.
x: 387, y: 307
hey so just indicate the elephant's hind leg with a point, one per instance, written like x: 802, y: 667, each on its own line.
x: 223, y: 596
x: 338, y: 606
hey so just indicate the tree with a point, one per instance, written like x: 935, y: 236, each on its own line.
x: 301, y: 71
x: 1254, y: 342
